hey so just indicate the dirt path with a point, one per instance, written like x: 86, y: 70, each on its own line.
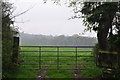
x: 76, y: 73
x: 42, y: 73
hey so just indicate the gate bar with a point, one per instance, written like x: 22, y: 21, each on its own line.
x: 76, y: 57
x: 58, y: 58
x: 39, y: 57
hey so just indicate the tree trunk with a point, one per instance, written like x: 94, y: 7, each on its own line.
x: 102, y: 39
x: 103, y: 30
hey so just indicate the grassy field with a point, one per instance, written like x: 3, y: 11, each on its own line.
x: 65, y: 62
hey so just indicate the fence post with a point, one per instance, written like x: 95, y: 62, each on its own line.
x: 15, y: 49
x: 58, y: 58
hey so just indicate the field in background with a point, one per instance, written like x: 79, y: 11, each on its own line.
x: 52, y: 63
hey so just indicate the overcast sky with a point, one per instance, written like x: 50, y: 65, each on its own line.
x: 47, y: 19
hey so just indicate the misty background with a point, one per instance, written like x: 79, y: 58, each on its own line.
x: 32, y: 39
x: 49, y: 24
x: 47, y: 19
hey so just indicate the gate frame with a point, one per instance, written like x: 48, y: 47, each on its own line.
x: 58, y: 51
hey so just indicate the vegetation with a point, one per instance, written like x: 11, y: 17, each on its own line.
x: 8, y: 31
x: 102, y: 18
x: 98, y: 16
x: 30, y: 39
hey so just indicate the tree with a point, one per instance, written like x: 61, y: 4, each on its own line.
x: 8, y: 31
x: 101, y: 17
x: 98, y: 16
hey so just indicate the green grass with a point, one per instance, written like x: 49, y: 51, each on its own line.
x: 22, y: 73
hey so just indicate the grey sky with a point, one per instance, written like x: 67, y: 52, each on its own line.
x: 47, y: 19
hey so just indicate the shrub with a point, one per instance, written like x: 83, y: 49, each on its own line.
x: 8, y: 32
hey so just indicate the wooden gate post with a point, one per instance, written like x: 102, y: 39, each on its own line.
x: 15, y: 49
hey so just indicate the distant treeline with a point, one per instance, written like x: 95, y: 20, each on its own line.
x: 32, y: 39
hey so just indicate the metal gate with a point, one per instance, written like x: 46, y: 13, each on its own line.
x: 57, y: 57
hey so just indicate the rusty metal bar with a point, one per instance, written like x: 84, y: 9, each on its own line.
x: 56, y: 51
x: 53, y: 69
x: 59, y: 56
x: 55, y: 60
x: 59, y: 66
x: 84, y: 46
x: 62, y: 63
